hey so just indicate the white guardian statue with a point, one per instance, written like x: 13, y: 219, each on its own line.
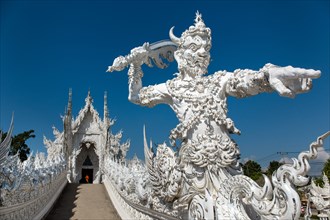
x: 204, y: 178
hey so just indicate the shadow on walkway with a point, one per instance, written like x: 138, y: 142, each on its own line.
x: 84, y: 201
x: 63, y: 209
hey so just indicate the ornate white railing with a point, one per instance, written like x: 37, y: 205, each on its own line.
x: 40, y: 205
x: 116, y: 176
x: 129, y: 190
x: 29, y: 190
x: 130, y: 210
x: 124, y: 210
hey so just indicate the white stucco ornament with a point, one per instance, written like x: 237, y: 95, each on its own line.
x: 29, y: 190
x: 87, y: 141
x: 320, y: 196
x: 204, y: 179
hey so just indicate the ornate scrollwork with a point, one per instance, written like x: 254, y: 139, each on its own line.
x: 276, y: 199
x: 26, y: 188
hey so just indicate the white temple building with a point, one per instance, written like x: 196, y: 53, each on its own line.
x: 85, y: 142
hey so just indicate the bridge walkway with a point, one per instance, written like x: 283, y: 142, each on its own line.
x: 83, y: 201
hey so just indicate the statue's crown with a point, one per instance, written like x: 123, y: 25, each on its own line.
x: 198, y: 28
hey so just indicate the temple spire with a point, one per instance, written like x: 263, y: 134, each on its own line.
x: 106, y: 112
x: 106, y: 119
x: 69, y: 110
x: 67, y: 142
x: 89, y: 99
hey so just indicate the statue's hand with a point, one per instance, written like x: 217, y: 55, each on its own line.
x: 289, y: 81
x: 139, y: 55
x: 118, y: 64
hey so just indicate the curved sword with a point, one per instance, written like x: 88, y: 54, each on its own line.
x: 157, y: 52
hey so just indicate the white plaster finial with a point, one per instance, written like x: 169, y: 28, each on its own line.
x: 69, y: 110
x: 89, y: 99
x: 106, y: 112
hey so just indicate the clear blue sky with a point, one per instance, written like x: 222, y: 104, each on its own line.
x: 48, y: 47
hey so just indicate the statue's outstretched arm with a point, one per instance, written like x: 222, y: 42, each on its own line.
x: 145, y: 96
x: 287, y: 81
x: 154, y: 53
x: 135, y: 75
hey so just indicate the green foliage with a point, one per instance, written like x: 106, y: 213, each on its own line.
x: 326, y: 171
x: 253, y: 170
x: 18, y: 144
x: 273, y: 165
x: 326, y: 168
x: 319, y: 181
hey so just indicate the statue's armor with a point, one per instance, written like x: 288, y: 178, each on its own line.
x: 205, y: 168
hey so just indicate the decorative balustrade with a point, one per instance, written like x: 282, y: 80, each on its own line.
x: 28, y: 190
x: 41, y: 200
x: 130, y: 191
x: 120, y: 182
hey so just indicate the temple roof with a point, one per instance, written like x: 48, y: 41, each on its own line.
x: 83, y: 114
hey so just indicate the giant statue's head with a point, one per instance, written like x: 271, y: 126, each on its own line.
x: 193, y: 53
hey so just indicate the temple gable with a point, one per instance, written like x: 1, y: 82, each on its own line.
x: 85, y: 141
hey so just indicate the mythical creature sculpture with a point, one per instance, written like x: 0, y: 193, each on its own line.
x: 320, y: 196
x: 207, y: 157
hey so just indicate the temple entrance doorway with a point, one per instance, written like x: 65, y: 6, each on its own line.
x: 86, y: 176
x: 87, y: 164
